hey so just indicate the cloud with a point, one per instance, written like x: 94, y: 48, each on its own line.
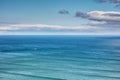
x: 117, y: 2
x: 81, y: 14
x: 42, y: 27
x: 63, y: 11
x: 112, y: 1
x: 102, y: 1
x: 101, y: 18
x: 54, y: 29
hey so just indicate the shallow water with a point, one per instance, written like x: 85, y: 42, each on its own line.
x: 59, y: 58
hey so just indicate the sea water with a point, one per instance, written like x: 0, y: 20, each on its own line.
x: 59, y: 57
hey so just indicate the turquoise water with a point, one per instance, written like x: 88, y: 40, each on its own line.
x: 59, y: 58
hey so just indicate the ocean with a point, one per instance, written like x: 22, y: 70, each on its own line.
x: 45, y: 57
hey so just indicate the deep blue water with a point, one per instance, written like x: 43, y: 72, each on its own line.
x: 59, y: 58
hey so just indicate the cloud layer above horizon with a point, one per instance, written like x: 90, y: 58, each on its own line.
x: 62, y: 16
x: 44, y: 28
x: 99, y: 22
x: 56, y: 29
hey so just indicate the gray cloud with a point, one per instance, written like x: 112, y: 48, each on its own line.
x: 63, y: 11
x: 81, y: 14
x: 102, y: 1
x: 117, y: 2
x: 112, y: 1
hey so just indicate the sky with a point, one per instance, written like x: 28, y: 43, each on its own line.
x: 83, y: 17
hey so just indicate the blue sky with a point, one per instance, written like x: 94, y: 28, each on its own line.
x: 44, y: 17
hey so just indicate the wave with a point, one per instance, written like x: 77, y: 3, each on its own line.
x: 29, y: 75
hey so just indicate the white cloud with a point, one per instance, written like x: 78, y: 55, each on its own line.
x: 42, y: 27
x: 97, y: 23
x: 55, y: 29
x: 102, y: 18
